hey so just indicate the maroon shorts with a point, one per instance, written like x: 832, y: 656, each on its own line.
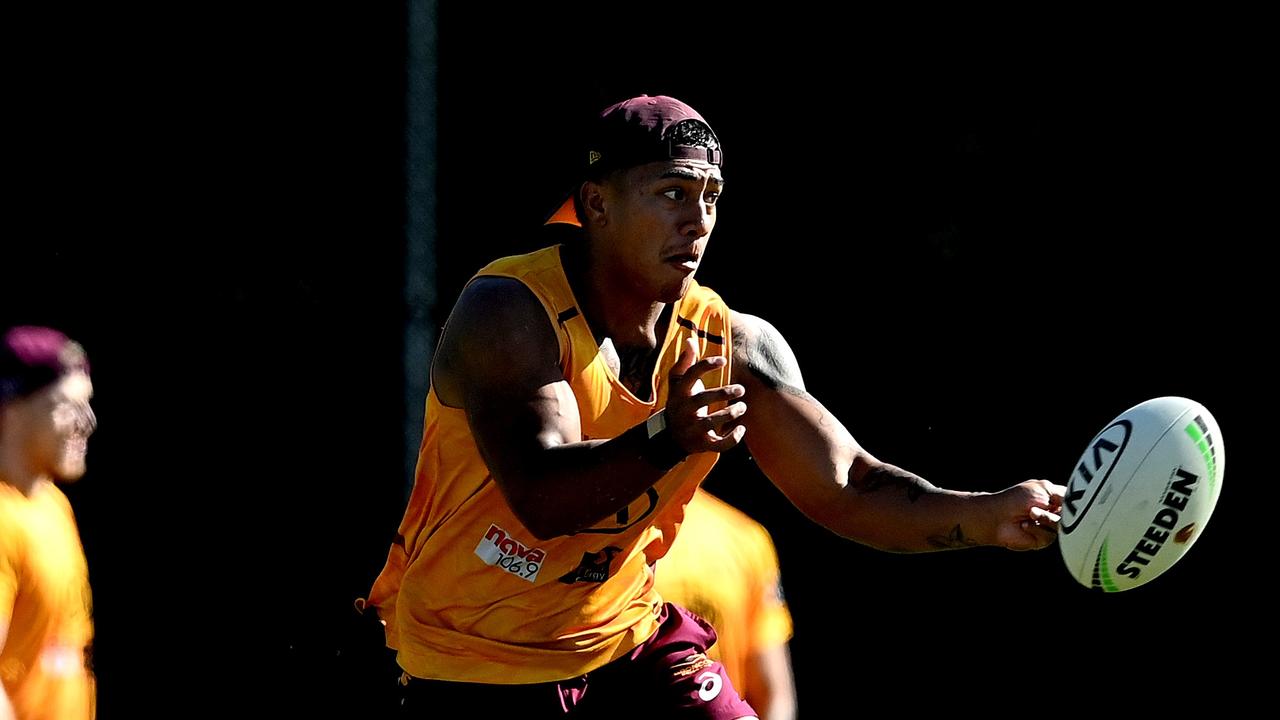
x: 667, y: 676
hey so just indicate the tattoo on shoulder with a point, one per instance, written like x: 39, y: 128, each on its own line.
x: 890, y: 477
x: 952, y: 540
x: 761, y: 349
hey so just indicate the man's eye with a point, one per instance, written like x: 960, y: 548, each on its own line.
x: 674, y: 194
x: 712, y: 197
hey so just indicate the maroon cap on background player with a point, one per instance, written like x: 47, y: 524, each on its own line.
x: 33, y: 357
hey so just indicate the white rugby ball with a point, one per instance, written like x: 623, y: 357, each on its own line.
x: 1141, y: 494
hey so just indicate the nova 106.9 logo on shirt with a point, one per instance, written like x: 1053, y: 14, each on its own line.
x: 499, y: 549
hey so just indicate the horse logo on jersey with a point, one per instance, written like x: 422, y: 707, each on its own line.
x: 593, y: 568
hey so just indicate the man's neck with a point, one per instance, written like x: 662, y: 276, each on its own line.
x: 14, y: 471
x: 611, y: 308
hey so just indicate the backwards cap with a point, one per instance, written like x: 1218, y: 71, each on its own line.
x: 32, y: 358
x: 641, y: 130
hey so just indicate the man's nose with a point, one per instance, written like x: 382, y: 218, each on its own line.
x: 86, y: 419
x: 698, y: 219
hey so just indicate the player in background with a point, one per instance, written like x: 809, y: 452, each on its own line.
x: 45, y: 606
x: 724, y: 568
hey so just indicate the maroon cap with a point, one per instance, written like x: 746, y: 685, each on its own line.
x: 641, y: 130
x: 33, y: 357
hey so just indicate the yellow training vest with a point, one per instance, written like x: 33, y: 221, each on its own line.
x: 468, y: 593
x: 46, y: 604
x: 724, y: 568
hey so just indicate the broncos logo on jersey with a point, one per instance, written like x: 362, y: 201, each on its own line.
x: 593, y: 568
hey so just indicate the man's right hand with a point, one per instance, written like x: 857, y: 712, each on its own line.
x: 690, y: 420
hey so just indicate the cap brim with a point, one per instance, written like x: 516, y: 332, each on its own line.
x: 565, y: 214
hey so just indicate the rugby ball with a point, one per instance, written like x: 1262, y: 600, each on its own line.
x: 1141, y: 494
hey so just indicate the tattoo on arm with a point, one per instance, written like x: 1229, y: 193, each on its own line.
x: 761, y: 349
x: 952, y: 540
x: 887, y: 476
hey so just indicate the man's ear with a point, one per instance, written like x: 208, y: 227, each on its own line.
x: 594, y: 202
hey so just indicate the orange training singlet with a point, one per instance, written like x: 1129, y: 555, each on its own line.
x: 468, y: 593
x: 46, y: 603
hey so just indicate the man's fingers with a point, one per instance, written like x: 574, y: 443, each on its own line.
x: 1039, y: 536
x: 718, y: 395
x: 688, y: 356
x: 1056, y: 492
x: 717, y: 429
x: 1044, y: 517
x: 716, y: 420
x: 688, y: 368
x: 683, y: 384
x: 728, y: 442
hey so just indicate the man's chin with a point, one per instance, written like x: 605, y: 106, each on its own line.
x: 675, y: 292
x: 70, y: 471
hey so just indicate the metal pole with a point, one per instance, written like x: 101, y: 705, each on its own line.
x: 420, y: 225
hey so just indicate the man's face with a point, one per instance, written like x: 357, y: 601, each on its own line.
x: 55, y: 424
x: 658, y: 219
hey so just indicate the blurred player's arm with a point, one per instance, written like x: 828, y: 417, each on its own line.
x: 818, y: 465
x: 8, y: 593
x: 770, y: 684
x: 499, y: 360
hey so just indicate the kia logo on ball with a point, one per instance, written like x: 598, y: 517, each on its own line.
x: 1085, y: 481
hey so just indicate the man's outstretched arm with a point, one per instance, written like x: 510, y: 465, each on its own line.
x: 818, y: 465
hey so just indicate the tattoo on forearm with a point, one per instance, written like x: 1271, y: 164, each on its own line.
x: 953, y: 540
x: 891, y: 477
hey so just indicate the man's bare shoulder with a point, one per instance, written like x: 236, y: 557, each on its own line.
x: 498, y: 333
x: 762, y: 355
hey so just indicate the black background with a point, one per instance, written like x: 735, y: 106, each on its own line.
x: 984, y: 238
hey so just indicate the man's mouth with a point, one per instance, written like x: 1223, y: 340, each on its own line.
x: 686, y: 260
x: 77, y: 444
